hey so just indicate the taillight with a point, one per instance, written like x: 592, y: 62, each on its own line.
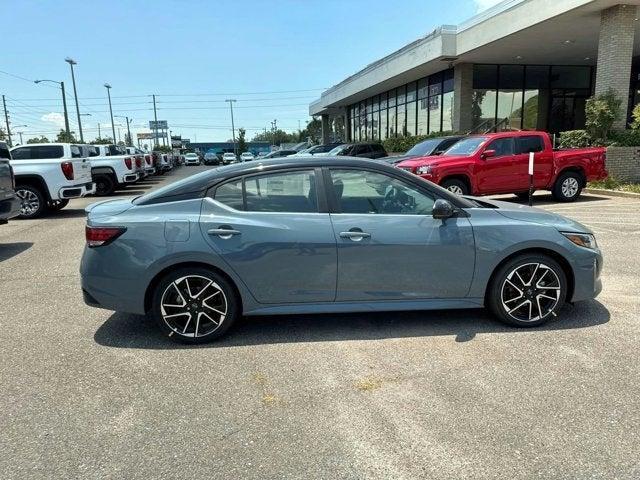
x: 67, y: 169
x: 138, y: 162
x: 147, y: 159
x: 127, y: 162
x: 100, y: 236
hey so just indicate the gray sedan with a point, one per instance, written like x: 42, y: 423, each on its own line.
x: 327, y: 235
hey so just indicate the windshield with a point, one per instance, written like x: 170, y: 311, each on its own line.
x: 191, y: 155
x: 338, y: 149
x: 229, y: 155
x: 425, y: 148
x: 466, y: 147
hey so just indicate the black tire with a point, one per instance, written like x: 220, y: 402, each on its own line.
x: 58, y: 205
x: 568, y: 187
x: 504, y: 282
x: 225, y: 300
x: 455, y: 186
x: 33, y: 201
x: 105, y: 184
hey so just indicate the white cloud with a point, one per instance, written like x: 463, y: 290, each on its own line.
x: 484, y: 4
x: 55, y: 118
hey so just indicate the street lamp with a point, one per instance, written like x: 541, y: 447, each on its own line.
x: 64, y: 104
x: 71, y: 63
x: 130, y: 142
x: 113, y: 127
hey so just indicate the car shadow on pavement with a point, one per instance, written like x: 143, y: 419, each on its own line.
x: 547, y: 199
x: 68, y: 213
x: 8, y: 250
x: 134, y: 331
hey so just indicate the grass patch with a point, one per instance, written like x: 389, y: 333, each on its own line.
x: 611, y: 183
x: 368, y: 384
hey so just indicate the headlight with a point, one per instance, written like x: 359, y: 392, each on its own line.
x: 585, y: 240
x: 423, y: 170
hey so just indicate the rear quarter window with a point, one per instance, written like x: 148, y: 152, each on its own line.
x: 529, y: 143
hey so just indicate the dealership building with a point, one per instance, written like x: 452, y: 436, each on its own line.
x: 523, y: 64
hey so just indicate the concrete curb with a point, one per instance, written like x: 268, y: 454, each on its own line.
x: 612, y: 193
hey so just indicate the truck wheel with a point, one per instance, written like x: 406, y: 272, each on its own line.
x: 568, y: 187
x: 104, y: 185
x: 456, y: 186
x: 32, y: 201
x: 57, y: 205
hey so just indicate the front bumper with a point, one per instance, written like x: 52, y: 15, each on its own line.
x: 9, y: 208
x: 77, y: 191
x: 586, y: 272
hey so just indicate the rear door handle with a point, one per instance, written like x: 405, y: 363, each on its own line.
x: 224, y: 232
x: 355, y: 236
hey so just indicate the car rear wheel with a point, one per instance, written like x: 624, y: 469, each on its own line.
x: 456, y: 186
x: 527, y: 290
x: 194, y: 305
x: 32, y: 201
x: 57, y: 205
x: 568, y: 187
x: 104, y: 185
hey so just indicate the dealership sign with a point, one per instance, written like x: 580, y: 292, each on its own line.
x: 158, y: 125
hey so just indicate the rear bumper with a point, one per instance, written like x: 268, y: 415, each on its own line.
x: 130, y: 178
x: 9, y: 208
x: 150, y: 170
x: 76, y: 191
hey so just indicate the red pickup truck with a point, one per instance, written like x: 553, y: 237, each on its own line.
x: 499, y: 163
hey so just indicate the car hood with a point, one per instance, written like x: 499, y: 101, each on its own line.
x: 525, y: 213
x: 108, y: 207
x: 430, y: 160
x: 399, y: 158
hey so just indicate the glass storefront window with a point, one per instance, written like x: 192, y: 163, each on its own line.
x: 369, y: 126
x: 383, y: 101
x: 376, y: 105
x: 423, y: 116
x: 383, y: 124
x: 411, y: 118
x: 401, y: 127
x: 402, y: 95
x: 423, y: 88
x: 411, y: 92
x: 392, y: 122
x: 536, y: 98
x: 447, y: 81
x: 483, y: 97
x: 447, y: 111
x: 510, y: 96
x: 375, y: 134
x: 392, y: 98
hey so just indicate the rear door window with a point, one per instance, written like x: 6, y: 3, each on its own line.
x: 529, y: 143
x: 291, y: 192
x: 230, y: 194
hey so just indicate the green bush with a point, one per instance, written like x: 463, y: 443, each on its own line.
x: 575, y: 139
x: 625, y: 138
x: 600, y: 112
x: 402, y: 144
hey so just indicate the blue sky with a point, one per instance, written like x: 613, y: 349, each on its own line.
x: 274, y: 57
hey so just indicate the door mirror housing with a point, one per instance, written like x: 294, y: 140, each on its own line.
x: 488, y: 154
x: 442, y: 209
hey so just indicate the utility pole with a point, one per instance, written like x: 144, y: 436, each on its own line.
x: 20, y: 133
x: 6, y: 119
x: 71, y: 63
x: 64, y: 104
x: 113, y: 127
x: 99, y: 136
x: 130, y: 142
x: 155, y: 117
x: 233, y: 128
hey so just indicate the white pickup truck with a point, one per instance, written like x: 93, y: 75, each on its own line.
x: 147, y: 160
x: 109, y: 168
x: 47, y: 175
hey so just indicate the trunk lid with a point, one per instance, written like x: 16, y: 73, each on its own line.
x: 108, y: 208
x: 81, y: 171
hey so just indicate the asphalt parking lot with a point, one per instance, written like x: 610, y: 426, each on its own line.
x: 88, y: 393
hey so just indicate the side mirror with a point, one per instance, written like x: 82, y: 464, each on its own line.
x: 442, y: 209
x: 488, y: 153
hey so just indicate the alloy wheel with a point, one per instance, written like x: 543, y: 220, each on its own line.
x: 193, y: 306
x: 570, y: 187
x: 455, y: 189
x: 29, y: 202
x: 530, y: 292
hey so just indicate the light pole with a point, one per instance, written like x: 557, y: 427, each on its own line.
x: 233, y: 128
x: 130, y: 142
x: 71, y: 63
x: 64, y: 103
x: 113, y: 127
x: 20, y: 133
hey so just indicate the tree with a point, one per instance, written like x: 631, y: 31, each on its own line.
x: 42, y: 139
x: 102, y: 141
x: 601, y: 112
x: 275, y: 138
x: 3, y: 136
x: 242, y: 143
x: 127, y: 139
x: 63, y: 137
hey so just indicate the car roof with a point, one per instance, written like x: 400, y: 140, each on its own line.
x: 199, y: 183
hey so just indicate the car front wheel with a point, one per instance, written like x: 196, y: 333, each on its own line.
x: 456, y: 186
x: 194, y: 305
x: 527, y: 290
x: 32, y: 201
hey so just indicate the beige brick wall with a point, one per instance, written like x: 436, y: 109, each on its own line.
x: 623, y: 163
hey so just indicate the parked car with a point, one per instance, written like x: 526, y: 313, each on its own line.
x: 229, y: 157
x: 191, y: 159
x: 279, y: 154
x: 246, y: 157
x: 109, y: 172
x: 211, y: 158
x: 363, y: 150
x: 316, y: 150
x: 162, y: 162
x: 9, y: 201
x: 428, y: 147
x: 48, y: 175
x: 498, y: 163
x: 380, y: 239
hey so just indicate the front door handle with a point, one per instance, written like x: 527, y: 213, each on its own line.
x: 356, y: 236
x: 224, y: 233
